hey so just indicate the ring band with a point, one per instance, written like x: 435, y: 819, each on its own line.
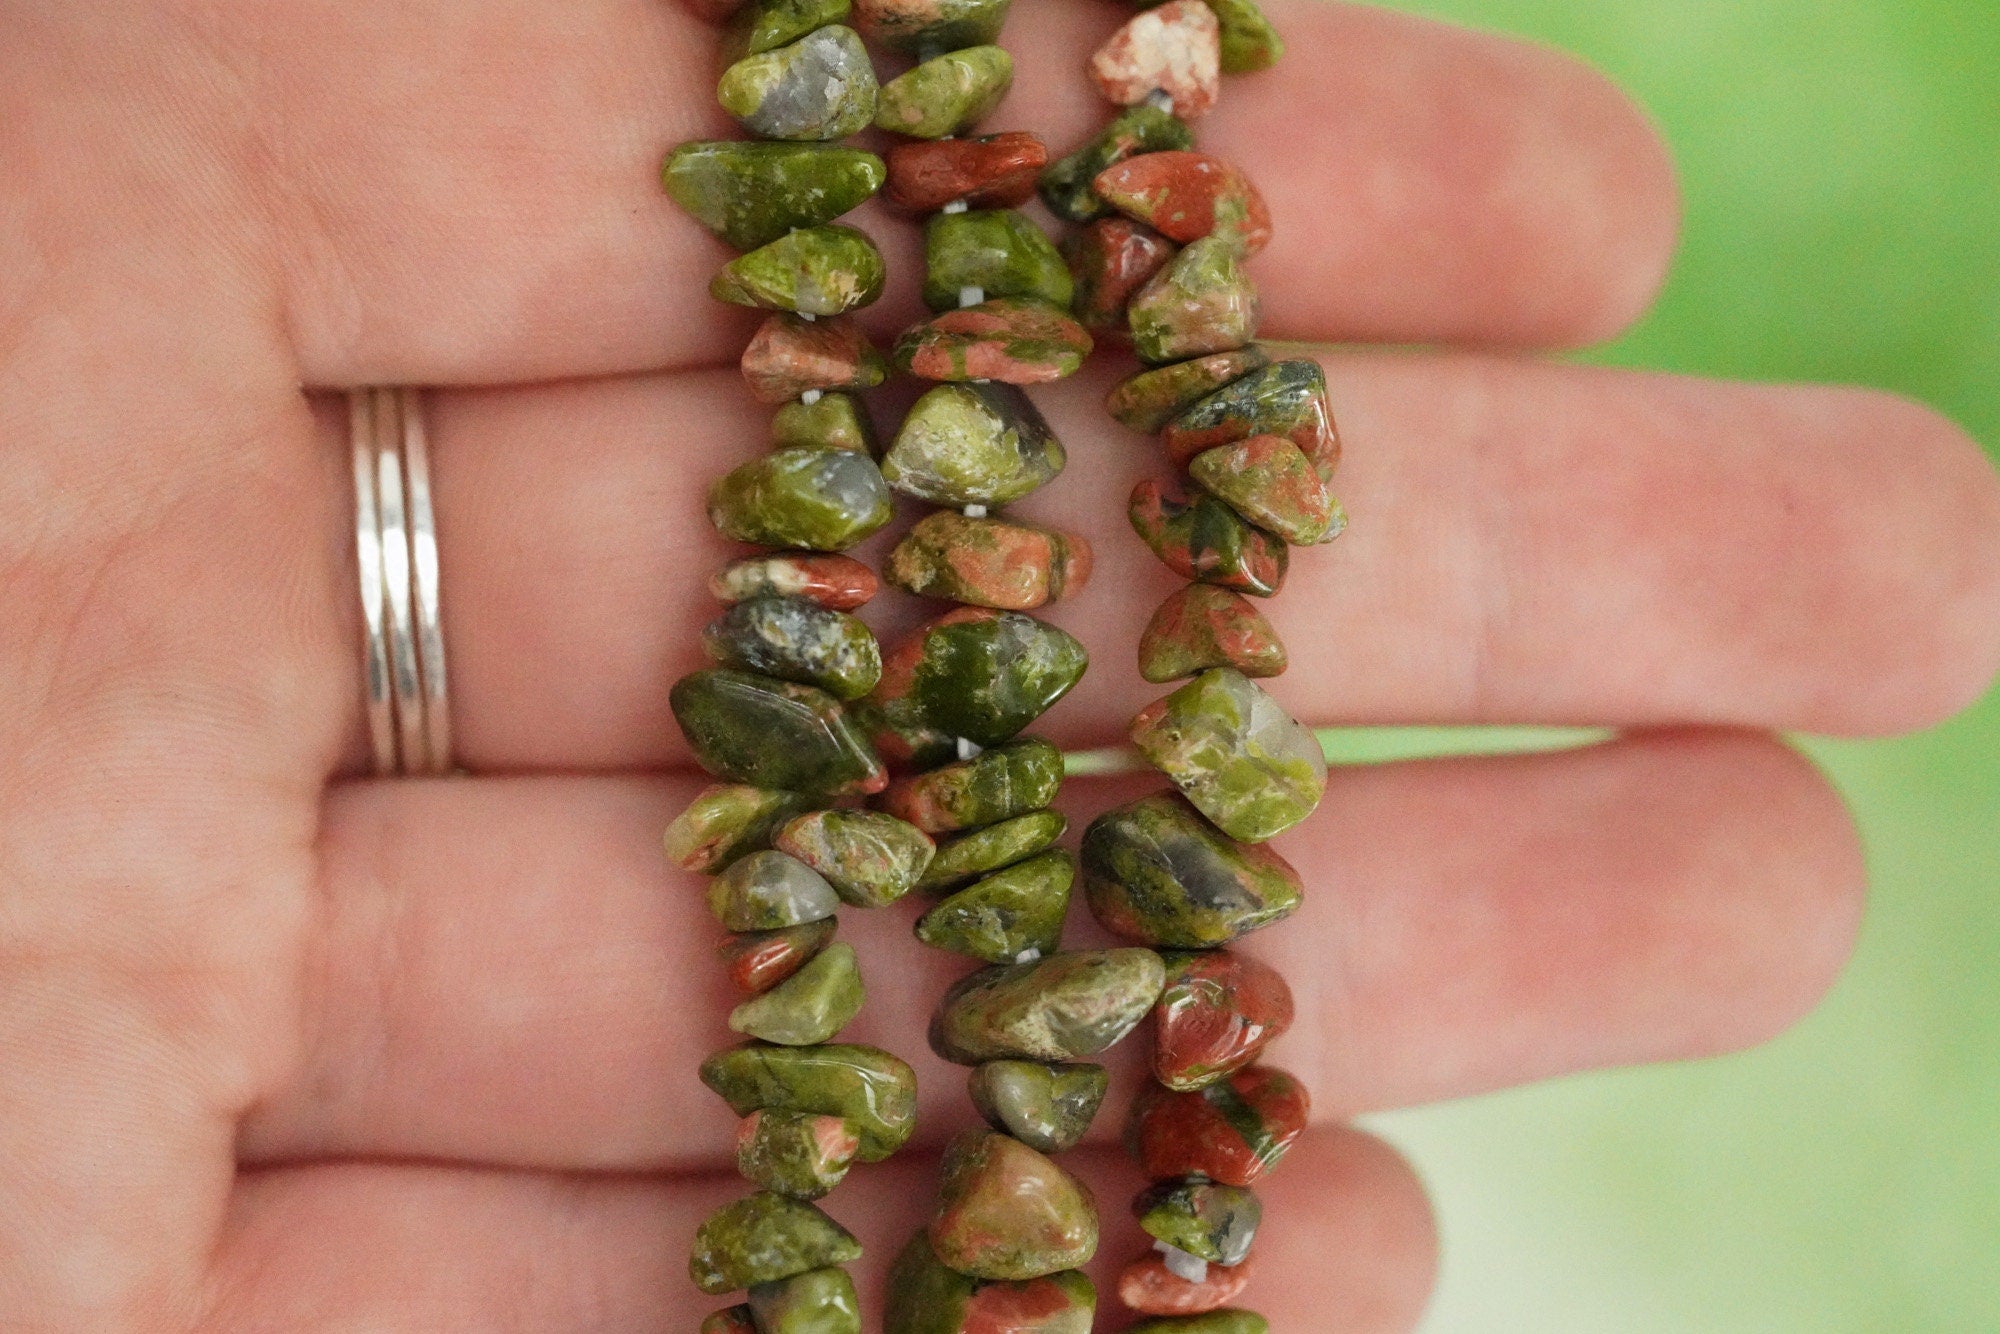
x: 409, y: 714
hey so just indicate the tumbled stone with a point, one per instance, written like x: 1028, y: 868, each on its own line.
x: 1150, y: 1288
x: 1237, y: 755
x: 1198, y: 537
x: 790, y: 354
x: 1175, y: 49
x: 915, y: 27
x: 1186, y: 196
x: 869, y: 857
x: 993, y: 848
x: 993, y: 785
x: 766, y: 25
x: 839, y: 583
x: 1233, y: 1131
x: 775, y: 734
x: 1156, y: 871
x: 1269, y: 481
x: 1152, y: 398
x: 1219, y: 1011
x: 833, y: 421
x: 1202, y: 626
x: 763, y: 1238
x: 1208, y: 1220
x: 974, y: 673
x: 800, y: 1154
x: 726, y: 820
x: 795, y: 639
x: 819, y: 499
x: 973, y: 444
x: 1200, y: 303
x: 988, y: 561
x: 768, y: 890
x: 947, y: 94
x: 1067, y: 186
x: 873, y: 1091
x: 734, y: 1320
x: 1249, y: 42
x: 993, y: 171
x: 814, y: 271
x: 820, y: 1301
x: 820, y: 87
x: 1046, y: 1107
x: 1008, y: 1212
x: 1215, y: 1322
x: 1007, y: 914
x: 750, y: 194
x: 999, y: 252
x: 759, y: 960
x: 810, y: 1006
x: 1017, y: 340
x: 1111, y: 260
x: 1066, y: 1007
x: 1286, y: 398
x: 926, y: 1297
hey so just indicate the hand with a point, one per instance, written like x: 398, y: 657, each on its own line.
x: 282, y: 1050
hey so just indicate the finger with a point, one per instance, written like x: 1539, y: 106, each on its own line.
x: 509, y: 973
x: 1529, y: 544
x: 469, y: 192
x: 1347, y: 1237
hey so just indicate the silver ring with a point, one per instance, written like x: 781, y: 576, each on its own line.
x: 409, y: 713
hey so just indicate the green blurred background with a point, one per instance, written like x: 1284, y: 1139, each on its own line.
x: 1841, y: 162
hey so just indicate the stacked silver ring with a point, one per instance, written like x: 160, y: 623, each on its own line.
x: 395, y: 531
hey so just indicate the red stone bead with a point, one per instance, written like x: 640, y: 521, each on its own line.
x: 1286, y: 398
x: 790, y: 355
x: 756, y: 961
x: 1198, y: 537
x: 839, y: 583
x: 1186, y: 196
x: 1014, y: 340
x: 1220, y: 1009
x: 994, y: 171
x: 735, y: 1320
x: 1203, y: 626
x: 989, y: 562
x: 1232, y: 1131
x: 1150, y: 1288
x: 1112, y: 259
x: 1039, y: 1306
x: 1175, y: 49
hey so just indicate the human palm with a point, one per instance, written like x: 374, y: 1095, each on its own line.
x: 285, y: 1049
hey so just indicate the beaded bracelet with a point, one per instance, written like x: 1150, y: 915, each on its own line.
x: 802, y: 710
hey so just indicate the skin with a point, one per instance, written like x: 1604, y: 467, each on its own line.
x: 284, y: 1049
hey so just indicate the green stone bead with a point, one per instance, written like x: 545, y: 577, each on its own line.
x: 994, y: 785
x: 1201, y: 1217
x: 1155, y: 871
x: 1046, y: 1107
x: 763, y: 1238
x: 808, y: 1007
x: 726, y: 820
x: 871, y: 1090
x: 1066, y: 1007
x: 975, y: 673
x: 821, y: 1301
x: 1249, y: 42
x: 926, y: 1297
x: 751, y: 194
x: 1015, y: 339
x: 1213, y: 1322
x: 869, y: 857
x: 1066, y: 183
x: 1000, y: 251
x: 1152, y: 398
x: 1286, y: 398
x: 835, y: 421
x: 918, y: 27
x: 819, y: 499
x: 1202, y: 626
x: 973, y: 444
x: 800, y: 1154
x: 796, y: 639
x: 993, y: 848
x: 774, y: 734
x: 814, y: 271
x: 734, y: 1320
x: 765, y: 25
x: 946, y: 95
x: 1200, y: 538
x: 1201, y: 303
x: 1008, y: 1212
x: 988, y: 561
x: 1234, y: 751
x: 1007, y: 914
x: 766, y: 891
x: 820, y: 87
x: 1270, y: 482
